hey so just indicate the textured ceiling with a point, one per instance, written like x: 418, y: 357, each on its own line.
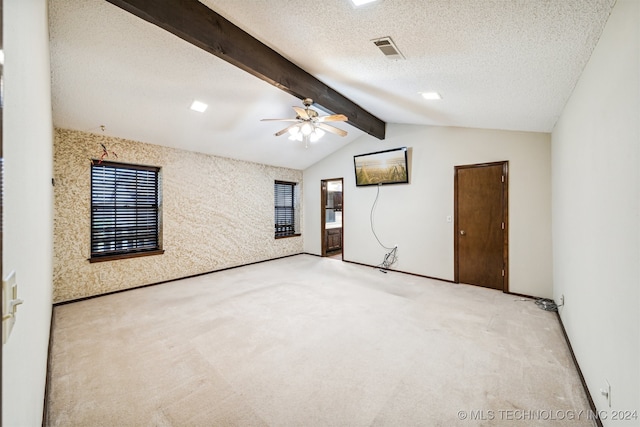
x: 497, y: 64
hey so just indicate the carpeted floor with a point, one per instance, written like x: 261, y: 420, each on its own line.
x: 309, y: 341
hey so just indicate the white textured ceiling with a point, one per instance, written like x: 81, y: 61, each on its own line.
x: 499, y: 64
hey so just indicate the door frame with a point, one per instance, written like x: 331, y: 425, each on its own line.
x: 505, y: 216
x: 323, y: 216
x: 1, y: 179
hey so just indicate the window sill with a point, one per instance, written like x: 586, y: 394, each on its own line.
x: 290, y: 235
x: 124, y: 256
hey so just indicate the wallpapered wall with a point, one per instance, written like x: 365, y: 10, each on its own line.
x: 216, y: 213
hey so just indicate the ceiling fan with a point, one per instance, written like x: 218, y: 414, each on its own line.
x: 308, y: 126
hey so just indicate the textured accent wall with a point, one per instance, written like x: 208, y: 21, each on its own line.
x: 216, y: 213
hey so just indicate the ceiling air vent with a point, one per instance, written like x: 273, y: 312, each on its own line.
x: 386, y: 46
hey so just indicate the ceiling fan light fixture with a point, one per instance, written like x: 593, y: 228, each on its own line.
x: 293, y: 131
x: 306, y: 129
x: 316, y: 135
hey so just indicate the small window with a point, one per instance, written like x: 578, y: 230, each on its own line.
x: 125, y: 214
x: 285, y: 209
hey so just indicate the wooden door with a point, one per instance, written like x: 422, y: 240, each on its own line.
x: 331, y: 203
x: 481, y: 239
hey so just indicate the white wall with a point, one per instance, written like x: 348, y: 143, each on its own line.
x: 28, y: 207
x: 596, y: 214
x: 414, y: 216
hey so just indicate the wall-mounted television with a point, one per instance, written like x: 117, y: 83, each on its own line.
x: 382, y: 167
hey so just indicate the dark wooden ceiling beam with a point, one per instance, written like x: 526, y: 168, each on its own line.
x: 195, y: 23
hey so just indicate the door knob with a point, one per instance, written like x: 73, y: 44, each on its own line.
x: 462, y: 232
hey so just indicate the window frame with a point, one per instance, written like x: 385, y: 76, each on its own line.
x: 294, y: 232
x: 130, y: 251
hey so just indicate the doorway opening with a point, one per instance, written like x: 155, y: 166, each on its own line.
x: 481, y: 240
x: 331, y: 218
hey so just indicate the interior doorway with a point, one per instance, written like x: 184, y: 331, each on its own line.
x: 1, y: 173
x: 331, y: 217
x: 481, y: 225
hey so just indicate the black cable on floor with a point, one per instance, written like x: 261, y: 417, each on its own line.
x: 392, y: 256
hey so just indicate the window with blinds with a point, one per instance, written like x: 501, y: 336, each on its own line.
x: 285, y: 209
x: 124, y: 210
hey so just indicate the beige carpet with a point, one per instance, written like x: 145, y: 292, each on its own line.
x: 309, y: 341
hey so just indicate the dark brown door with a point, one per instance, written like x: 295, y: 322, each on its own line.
x: 331, y: 222
x: 481, y: 225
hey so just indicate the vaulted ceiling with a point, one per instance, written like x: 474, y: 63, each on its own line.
x: 508, y: 64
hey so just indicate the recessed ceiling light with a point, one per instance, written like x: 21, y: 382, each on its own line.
x: 430, y: 95
x: 198, y: 106
x: 361, y: 2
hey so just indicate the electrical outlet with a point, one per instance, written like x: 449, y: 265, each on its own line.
x: 561, y: 301
x: 449, y: 219
x: 10, y: 303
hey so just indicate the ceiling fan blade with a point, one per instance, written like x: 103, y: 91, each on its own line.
x: 285, y: 130
x: 331, y: 129
x: 279, y: 120
x: 301, y: 112
x: 333, y: 118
